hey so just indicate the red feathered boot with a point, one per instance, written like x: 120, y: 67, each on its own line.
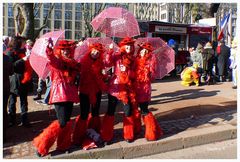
x: 94, y: 123
x: 152, y: 128
x: 107, y: 126
x: 137, y: 120
x: 128, y: 128
x: 79, y: 131
x: 64, y: 137
x: 46, y: 139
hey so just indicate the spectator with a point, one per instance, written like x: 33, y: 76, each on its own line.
x: 223, y: 56
x: 208, y: 59
x: 7, y: 71
x: 190, y: 75
x: 19, y: 81
x: 233, y: 65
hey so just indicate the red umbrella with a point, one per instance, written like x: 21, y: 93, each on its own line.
x: 165, y: 56
x: 116, y: 22
x: 80, y: 51
x: 38, y: 58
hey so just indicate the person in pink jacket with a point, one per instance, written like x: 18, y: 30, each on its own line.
x: 144, y: 67
x: 120, y: 89
x: 63, y: 94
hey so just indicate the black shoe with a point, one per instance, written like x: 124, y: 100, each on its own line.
x: 38, y: 154
x: 234, y: 87
x: 11, y: 124
x: 37, y: 97
x: 129, y: 140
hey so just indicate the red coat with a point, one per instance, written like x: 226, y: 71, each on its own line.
x: 63, y: 77
x: 144, y: 73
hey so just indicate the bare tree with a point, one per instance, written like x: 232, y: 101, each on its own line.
x: 24, y: 19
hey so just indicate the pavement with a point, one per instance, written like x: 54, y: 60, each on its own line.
x: 189, y: 116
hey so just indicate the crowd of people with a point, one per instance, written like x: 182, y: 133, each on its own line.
x: 208, y: 65
x: 127, y: 82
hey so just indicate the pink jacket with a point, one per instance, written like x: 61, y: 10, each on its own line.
x: 63, y: 88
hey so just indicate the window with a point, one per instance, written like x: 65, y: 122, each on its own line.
x: 10, y: 12
x: 78, y: 35
x: 58, y: 6
x: 68, y: 25
x: 10, y: 22
x: 68, y: 15
x: 45, y: 13
x: 78, y: 15
x: 68, y: 6
x: 11, y: 32
x: 163, y: 7
x: 78, y: 25
x: 57, y: 24
x: 163, y: 16
x: 68, y: 34
x: 78, y: 6
x: 57, y: 14
x: 46, y: 5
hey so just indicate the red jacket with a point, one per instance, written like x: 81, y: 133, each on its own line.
x: 63, y: 88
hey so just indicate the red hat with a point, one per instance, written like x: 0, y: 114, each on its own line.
x: 64, y: 44
x: 97, y: 46
x: 147, y: 46
x: 127, y: 41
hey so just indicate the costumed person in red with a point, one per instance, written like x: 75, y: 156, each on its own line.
x: 91, y: 87
x: 19, y: 81
x: 63, y: 94
x: 120, y: 89
x: 144, y: 67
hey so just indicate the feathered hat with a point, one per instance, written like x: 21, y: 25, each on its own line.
x: 147, y: 46
x: 126, y: 41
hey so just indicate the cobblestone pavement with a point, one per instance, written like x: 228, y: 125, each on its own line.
x: 177, y: 109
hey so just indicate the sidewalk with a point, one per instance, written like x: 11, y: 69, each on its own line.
x: 188, y: 115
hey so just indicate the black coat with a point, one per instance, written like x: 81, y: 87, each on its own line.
x: 7, y: 71
x: 16, y: 86
x: 223, y: 60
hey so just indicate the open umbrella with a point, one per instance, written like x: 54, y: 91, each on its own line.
x: 165, y: 56
x: 116, y: 22
x: 80, y: 51
x: 38, y: 57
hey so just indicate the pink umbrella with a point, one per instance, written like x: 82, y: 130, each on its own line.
x: 38, y: 58
x: 80, y: 51
x: 116, y: 22
x: 165, y: 56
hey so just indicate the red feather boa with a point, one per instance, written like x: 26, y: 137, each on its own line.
x: 126, y: 78
x: 27, y: 75
x: 92, y: 77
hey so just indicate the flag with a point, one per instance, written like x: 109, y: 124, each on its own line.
x: 223, y: 26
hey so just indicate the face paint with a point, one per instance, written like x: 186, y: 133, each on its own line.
x: 94, y: 54
x: 127, y: 48
x: 143, y: 52
x: 65, y: 52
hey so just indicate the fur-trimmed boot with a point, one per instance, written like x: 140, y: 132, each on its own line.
x: 94, y: 123
x: 79, y: 132
x: 137, y: 120
x: 46, y: 139
x: 107, y: 128
x: 152, y: 129
x: 64, y: 137
x: 128, y: 128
